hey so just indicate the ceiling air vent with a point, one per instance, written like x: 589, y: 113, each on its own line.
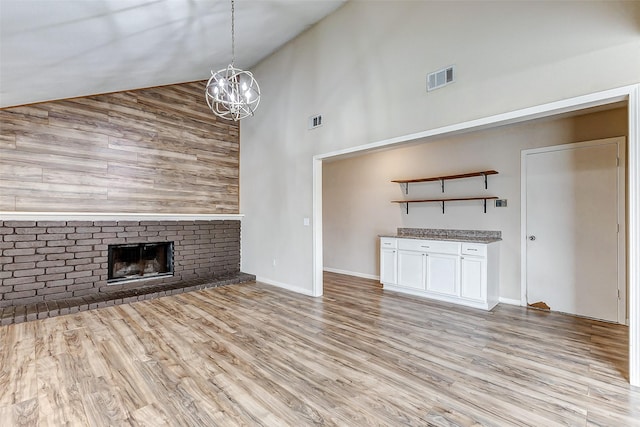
x: 440, y: 78
x: 315, y: 121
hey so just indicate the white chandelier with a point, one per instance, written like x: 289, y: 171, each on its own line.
x: 231, y: 92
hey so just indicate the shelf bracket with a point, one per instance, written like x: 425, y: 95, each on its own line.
x: 485, y: 182
x: 442, y: 184
x: 442, y: 207
x: 406, y: 188
x: 407, y: 204
x: 485, y: 200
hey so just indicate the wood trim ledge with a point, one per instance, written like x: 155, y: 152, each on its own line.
x: 114, y: 216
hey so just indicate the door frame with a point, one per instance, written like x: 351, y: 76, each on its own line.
x: 620, y: 214
x: 630, y: 94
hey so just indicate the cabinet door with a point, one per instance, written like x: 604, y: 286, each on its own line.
x: 443, y: 274
x: 388, y: 266
x: 473, y: 278
x: 411, y: 269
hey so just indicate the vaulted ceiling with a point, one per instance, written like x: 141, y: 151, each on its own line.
x: 56, y: 49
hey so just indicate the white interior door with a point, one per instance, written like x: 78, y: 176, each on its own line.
x: 573, y: 202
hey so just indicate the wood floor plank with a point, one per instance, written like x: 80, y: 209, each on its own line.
x: 59, y: 398
x: 255, y: 355
x: 26, y: 413
x: 149, y: 416
x: 18, y: 365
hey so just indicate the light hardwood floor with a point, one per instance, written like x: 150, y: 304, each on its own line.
x: 256, y: 355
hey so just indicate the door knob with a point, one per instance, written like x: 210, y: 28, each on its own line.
x: 532, y: 238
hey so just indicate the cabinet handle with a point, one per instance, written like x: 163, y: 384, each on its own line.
x: 427, y: 247
x: 472, y: 250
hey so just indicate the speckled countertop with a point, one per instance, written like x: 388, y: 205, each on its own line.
x: 473, y: 236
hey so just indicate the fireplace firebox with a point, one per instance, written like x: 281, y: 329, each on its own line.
x: 140, y: 260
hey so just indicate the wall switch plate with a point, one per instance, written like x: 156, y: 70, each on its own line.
x: 501, y: 203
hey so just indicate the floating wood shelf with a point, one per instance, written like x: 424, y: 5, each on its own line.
x: 442, y: 201
x: 444, y: 178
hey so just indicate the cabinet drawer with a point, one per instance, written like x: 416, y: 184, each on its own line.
x: 477, y: 249
x: 429, y: 246
x: 388, y: 243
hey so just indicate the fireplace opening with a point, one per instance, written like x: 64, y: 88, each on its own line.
x: 140, y: 260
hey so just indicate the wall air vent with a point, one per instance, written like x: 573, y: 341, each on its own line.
x: 440, y: 78
x: 315, y: 121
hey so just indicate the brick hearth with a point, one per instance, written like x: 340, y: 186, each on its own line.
x: 53, y: 267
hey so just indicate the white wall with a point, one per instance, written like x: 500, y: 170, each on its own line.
x: 364, y: 69
x: 357, y: 190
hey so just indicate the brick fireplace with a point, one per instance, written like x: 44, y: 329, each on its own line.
x: 42, y: 262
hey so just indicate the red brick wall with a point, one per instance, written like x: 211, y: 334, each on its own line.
x: 50, y: 260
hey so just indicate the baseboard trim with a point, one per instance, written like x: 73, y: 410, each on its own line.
x: 509, y: 301
x: 304, y: 291
x: 351, y: 273
x: 286, y: 286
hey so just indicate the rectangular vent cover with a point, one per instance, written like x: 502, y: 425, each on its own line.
x: 315, y: 121
x: 440, y: 78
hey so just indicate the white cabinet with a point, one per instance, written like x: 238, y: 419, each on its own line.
x: 460, y: 272
x: 443, y: 273
x: 411, y: 269
x: 388, y: 261
x: 472, y: 277
x: 428, y: 265
x: 388, y: 266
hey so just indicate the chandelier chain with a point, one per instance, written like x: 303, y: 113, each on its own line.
x: 233, y: 33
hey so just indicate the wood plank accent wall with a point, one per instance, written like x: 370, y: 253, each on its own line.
x: 154, y: 150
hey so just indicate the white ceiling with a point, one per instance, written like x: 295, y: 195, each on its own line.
x: 55, y: 49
